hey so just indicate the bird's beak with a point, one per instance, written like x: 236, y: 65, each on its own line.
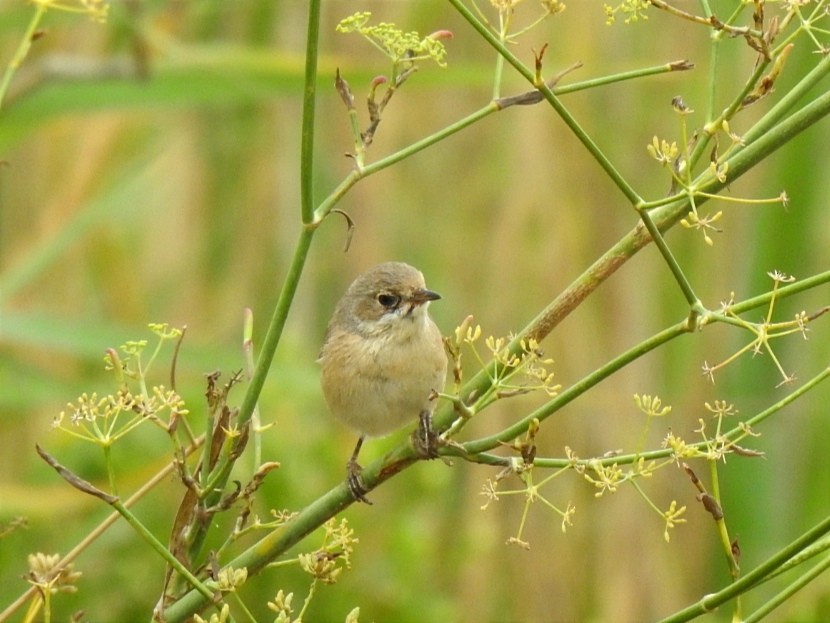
x: 424, y: 296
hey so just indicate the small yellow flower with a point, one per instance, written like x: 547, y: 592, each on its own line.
x: 662, y: 151
x: 651, y: 406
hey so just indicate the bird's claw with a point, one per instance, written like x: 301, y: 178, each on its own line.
x: 355, y: 482
x: 425, y: 439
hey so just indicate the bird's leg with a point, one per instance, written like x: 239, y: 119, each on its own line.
x: 425, y: 439
x: 353, y: 478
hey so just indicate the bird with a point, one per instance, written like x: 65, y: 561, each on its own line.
x: 383, y: 360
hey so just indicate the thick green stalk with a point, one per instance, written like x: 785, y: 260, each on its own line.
x: 292, y: 279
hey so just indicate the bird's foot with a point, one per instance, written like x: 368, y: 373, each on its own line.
x: 354, y: 481
x: 425, y: 439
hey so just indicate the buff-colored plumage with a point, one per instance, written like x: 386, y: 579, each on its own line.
x: 383, y: 355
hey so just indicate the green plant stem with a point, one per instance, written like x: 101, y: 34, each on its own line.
x: 643, y: 72
x: 797, y: 287
x: 338, y: 498
x: 723, y: 531
x: 710, y: 602
x: 552, y: 99
x: 270, y: 546
x: 309, y: 116
x: 575, y: 390
x: 209, y: 422
x: 22, y: 50
x: 272, y: 337
x: 292, y: 278
x: 786, y: 594
x: 498, y: 76
x: 817, y: 548
x: 430, y: 140
x: 714, y: 58
x: 362, y: 171
x: 248, y: 352
x: 651, y: 455
x: 107, y: 448
x: 161, y: 476
x: 242, y: 606
x: 162, y: 551
x: 668, y: 257
x: 768, y: 122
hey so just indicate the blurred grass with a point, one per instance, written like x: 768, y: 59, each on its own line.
x: 174, y: 198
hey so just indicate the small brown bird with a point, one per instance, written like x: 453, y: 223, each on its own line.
x: 383, y: 357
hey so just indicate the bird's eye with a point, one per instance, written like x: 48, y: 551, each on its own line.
x: 389, y: 301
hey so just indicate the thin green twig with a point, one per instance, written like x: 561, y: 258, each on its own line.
x: 357, y: 174
x: 788, y: 592
x: 309, y: 116
x: 529, y: 75
x: 22, y: 50
x: 574, y: 391
x: 712, y: 601
x: 662, y: 453
x: 668, y: 257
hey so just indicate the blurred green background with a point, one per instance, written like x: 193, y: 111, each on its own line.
x: 174, y: 197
